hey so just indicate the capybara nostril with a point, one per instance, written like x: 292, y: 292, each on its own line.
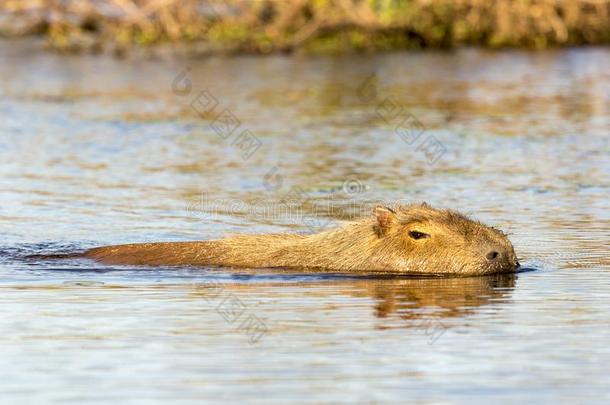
x: 492, y: 255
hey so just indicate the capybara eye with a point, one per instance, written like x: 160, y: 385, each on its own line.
x: 418, y: 235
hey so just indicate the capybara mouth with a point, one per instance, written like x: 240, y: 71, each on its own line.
x: 508, y: 267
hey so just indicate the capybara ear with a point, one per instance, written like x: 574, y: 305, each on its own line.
x: 385, y: 217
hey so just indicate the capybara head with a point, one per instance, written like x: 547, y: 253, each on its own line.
x: 419, y: 238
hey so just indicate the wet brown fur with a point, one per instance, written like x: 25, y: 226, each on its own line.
x: 455, y: 245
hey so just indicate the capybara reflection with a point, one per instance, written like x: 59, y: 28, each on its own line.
x: 408, y: 239
x: 406, y: 297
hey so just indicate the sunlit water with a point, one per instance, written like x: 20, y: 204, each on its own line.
x: 96, y: 151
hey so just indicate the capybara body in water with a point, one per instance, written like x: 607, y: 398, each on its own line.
x: 409, y: 239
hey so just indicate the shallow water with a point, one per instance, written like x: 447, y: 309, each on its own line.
x: 95, y: 151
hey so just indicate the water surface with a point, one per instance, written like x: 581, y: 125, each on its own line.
x: 95, y: 150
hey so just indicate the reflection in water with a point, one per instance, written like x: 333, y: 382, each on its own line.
x: 448, y: 297
x: 409, y: 299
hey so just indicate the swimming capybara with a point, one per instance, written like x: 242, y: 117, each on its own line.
x: 408, y: 239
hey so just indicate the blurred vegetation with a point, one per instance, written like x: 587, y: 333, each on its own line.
x: 264, y: 26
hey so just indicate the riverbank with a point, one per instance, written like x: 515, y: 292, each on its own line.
x: 312, y: 26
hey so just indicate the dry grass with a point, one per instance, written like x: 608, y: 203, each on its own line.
x: 316, y: 25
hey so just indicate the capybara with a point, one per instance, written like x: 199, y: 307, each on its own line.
x: 407, y: 239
